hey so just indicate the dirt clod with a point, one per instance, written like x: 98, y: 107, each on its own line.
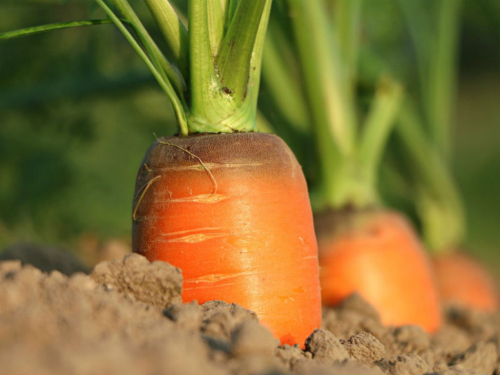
x: 364, y: 348
x: 157, y: 283
x: 325, y: 347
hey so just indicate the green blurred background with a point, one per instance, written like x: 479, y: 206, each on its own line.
x: 78, y: 110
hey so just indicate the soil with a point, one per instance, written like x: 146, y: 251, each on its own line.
x: 127, y: 317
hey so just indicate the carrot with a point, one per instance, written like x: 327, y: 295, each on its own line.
x: 228, y: 206
x: 378, y: 255
x: 239, y: 226
x: 363, y: 247
x: 465, y: 282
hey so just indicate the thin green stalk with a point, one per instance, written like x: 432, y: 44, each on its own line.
x: 174, y: 32
x: 439, y: 204
x: 50, y: 27
x: 173, y: 74
x: 378, y: 125
x: 233, y: 61
x: 255, y: 67
x: 323, y: 72
x: 422, y: 33
x: 442, y: 76
x: 331, y: 110
x: 161, y: 78
x: 347, y: 26
x: 283, y: 86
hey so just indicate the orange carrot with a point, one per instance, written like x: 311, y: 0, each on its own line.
x: 232, y: 211
x: 464, y: 281
x: 378, y: 255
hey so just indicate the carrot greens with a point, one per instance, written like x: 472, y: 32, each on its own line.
x: 349, y: 144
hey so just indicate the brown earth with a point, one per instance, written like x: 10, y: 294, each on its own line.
x: 127, y: 318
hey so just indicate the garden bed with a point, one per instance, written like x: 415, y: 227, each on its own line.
x: 127, y: 317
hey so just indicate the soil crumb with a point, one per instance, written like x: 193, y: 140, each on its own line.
x: 127, y: 317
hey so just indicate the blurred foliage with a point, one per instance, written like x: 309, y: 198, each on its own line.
x: 78, y: 110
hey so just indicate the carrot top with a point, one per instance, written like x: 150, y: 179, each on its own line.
x: 349, y: 145
x: 213, y: 73
x: 213, y: 77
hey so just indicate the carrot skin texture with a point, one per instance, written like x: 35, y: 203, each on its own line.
x: 378, y: 255
x: 465, y: 282
x: 248, y: 238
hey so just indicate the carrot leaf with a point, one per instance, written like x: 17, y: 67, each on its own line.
x: 173, y: 30
x: 173, y: 74
x: 154, y: 67
x: 50, y: 27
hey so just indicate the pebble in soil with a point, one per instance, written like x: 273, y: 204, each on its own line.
x: 127, y: 317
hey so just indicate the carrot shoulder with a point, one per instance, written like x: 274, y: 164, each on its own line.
x: 232, y: 211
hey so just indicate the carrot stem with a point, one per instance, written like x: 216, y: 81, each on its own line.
x: 378, y: 125
x: 173, y: 74
x: 443, y: 73
x: 158, y: 73
x: 347, y: 25
x: 439, y: 204
x: 233, y: 60
x: 174, y: 32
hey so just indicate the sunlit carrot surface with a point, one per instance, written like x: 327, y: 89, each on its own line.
x: 464, y: 281
x: 243, y: 234
x: 378, y: 255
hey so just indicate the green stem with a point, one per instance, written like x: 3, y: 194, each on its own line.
x: 442, y: 77
x: 283, y: 86
x: 378, y: 126
x: 332, y: 112
x: 216, y: 23
x: 422, y: 33
x: 206, y: 89
x: 174, y: 32
x: 255, y: 67
x: 233, y: 61
x: 173, y: 74
x: 439, y: 205
x: 347, y: 22
x: 224, y: 94
x: 49, y: 27
x: 161, y: 78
